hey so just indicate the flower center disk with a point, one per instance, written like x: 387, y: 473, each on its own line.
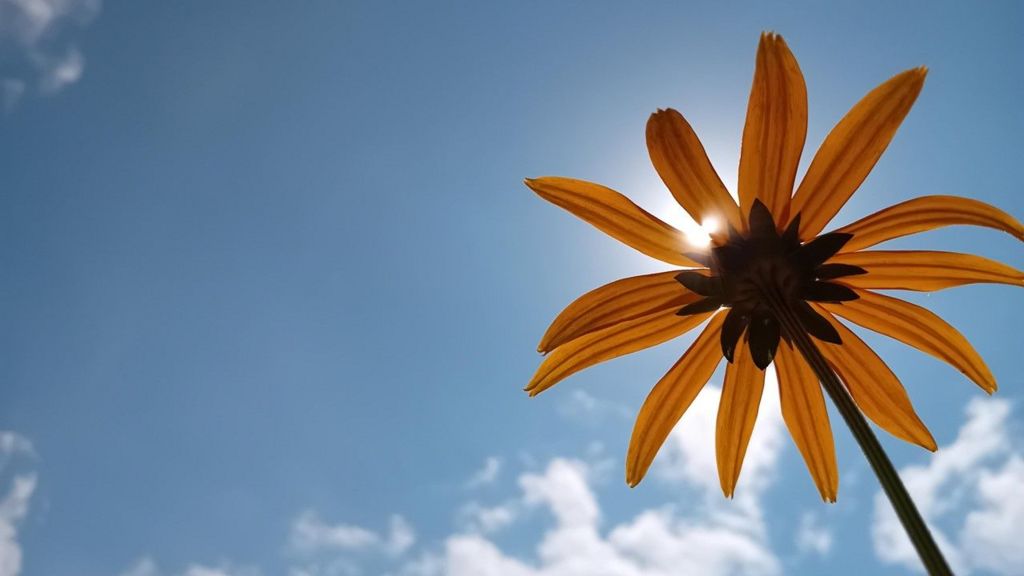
x: 763, y: 275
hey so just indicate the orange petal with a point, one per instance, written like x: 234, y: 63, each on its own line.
x: 679, y: 158
x: 671, y: 396
x: 776, y: 127
x: 618, y: 340
x: 924, y: 270
x: 927, y: 213
x: 917, y: 327
x: 851, y: 150
x: 803, y: 409
x: 619, y: 301
x: 737, y: 411
x: 617, y: 216
x: 874, y: 387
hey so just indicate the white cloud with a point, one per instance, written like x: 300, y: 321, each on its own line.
x: 474, y: 517
x: 978, y: 477
x: 14, y: 506
x: 12, y: 443
x: 811, y: 536
x: 143, y: 567
x: 715, y: 537
x: 13, y: 509
x: 487, y: 474
x: 588, y: 409
x: 309, y: 533
x: 35, y: 46
x: 323, y: 549
x: 657, y: 542
x: 146, y: 566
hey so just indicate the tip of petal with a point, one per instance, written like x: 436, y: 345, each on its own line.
x: 633, y: 476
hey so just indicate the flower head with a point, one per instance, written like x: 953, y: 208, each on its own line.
x: 770, y: 275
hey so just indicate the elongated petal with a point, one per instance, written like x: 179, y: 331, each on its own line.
x: 619, y: 301
x: 874, y: 387
x: 851, y: 150
x: 618, y: 340
x: 670, y: 398
x: 927, y: 213
x: 917, y: 327
x: 680, y: 160
x: 776, y: 128
x: 925, y: 270
x: 737, y: 411
x: 617, y: 216
x: 803, y: 409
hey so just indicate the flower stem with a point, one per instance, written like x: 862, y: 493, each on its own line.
x: 907, y: 512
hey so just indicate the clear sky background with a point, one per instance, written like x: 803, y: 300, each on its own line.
x: 271, y: 285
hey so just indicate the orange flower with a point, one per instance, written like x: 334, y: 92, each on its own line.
x: 770, y: 257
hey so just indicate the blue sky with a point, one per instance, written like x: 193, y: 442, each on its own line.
x: 271, y: 287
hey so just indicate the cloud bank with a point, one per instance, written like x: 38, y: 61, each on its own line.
x: 979, y: 479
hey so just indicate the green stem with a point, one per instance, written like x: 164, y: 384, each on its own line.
x: 907, y: 512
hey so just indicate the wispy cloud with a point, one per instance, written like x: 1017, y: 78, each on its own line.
x: 310, y: 537
x: 812, y: 536
x: 487, y: 474
x: 979, y: 477
x: 14, y: 506
x: 586, y: 408
x: 37, y: 48
x: 146, y: 566
x: 474, y: 517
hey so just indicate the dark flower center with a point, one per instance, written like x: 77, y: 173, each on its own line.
x: 758, y: 275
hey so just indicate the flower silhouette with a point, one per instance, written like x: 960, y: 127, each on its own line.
x: 770, y: 277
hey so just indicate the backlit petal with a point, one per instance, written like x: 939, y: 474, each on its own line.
x: 618, y: 340
x: 617, y: 216
x: 737, y: 411
x: 924, y: 270
x: 680, y: 160
x: 670, y: 398
x: 874, y: 387
x: 927, y: 213
x: 803, y: 409
x: 776, y: 127
x: 619, y: 301
x: 917, y: 327
x: 851, y: 150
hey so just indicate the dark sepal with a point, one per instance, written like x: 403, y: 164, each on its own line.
x: 833, y: 271
x: 762, y: 224
x: 702, y: 258
x: 815, y: 324
x: 791, y: 237
x: 729, y: 256
x: 732, y: 328
x: 694, y: 281
x: 815, y: 252
x: 827, y: 292
x: 764, y: 339
x: 701, y: 306
x: 734, y: 235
